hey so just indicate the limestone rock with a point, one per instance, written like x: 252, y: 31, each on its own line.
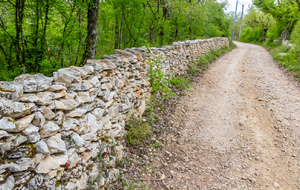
x: 48, y: 114
x: 71, y: 185
x: 82, y: 71
x: 69, y: 124
x: 82, y: 182
x: 3, y: 134
x: 61, y: 159
x: 9, y: 184
x: 32, y: 133
x: 22, y: 164
x: 56, y: 87
x: 83, y: 97
x: 36, y: 182
x: 98, y: 113
x: 79, y: 112
x: 11, y: 90
x: 74, y: 159
x: 15, y: 109
x: 22, y: 177
x: 60, y: 94
x: 42, y: 98
x: 67, y: 76
x: 93, y: 123
x: 142, y: 108
x: 77, y: 139
x: 89, y: 69
x: 49, y: 129
x: 34, y: 83
x: 113, y: 111
x: 83, y: 86
x: 102, y: 64
x: 8, y: 124
x: 66, y: 105
x: 56, y: 145
x: 39, y: 119
x: 42, y: 147
x: 23, y: 123
x: 46, y: 165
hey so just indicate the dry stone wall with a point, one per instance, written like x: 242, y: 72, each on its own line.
x: 62, y: 131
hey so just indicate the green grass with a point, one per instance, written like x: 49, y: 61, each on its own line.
x: 137, y: 131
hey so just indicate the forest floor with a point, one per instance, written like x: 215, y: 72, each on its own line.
x: 238, y: 127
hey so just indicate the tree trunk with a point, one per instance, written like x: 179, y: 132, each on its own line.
x: 92, y: 27
x: 121, y: 28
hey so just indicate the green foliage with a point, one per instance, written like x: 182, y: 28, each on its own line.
x: 137, y: 131
x: 160, y: 86
x: 48, y: 35
x: 256, y: 25
x: 180, y: 82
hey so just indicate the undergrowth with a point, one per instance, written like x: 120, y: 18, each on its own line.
x: 287, y: 57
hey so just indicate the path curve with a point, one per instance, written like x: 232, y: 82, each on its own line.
x: 241, y: 129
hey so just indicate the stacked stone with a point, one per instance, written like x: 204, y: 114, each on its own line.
x: 68, y: 125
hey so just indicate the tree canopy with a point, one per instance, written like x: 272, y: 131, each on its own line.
x: 45, y: 35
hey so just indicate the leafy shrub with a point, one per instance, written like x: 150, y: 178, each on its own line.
x: 180, y: 82
x: 158, y: 83
x: 137, y: 131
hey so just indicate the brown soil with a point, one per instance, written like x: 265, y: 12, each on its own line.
x: 237, y: 129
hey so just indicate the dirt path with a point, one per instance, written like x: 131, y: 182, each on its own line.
x: 241, y: 128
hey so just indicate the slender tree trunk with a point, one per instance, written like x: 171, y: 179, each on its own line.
x: 92, y: 29
x: 17, y: 28
x: 21, y: 14
x: 121, y: 28
x: 117, y: 34
x: 79, y: 36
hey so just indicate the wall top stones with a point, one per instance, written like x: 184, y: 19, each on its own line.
x: 56, y: 132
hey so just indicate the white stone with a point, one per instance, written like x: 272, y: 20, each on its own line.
x: 46, y: 165
x: 61, y: 159
x: 113, y: 111
x: 39, y: 119
x: 56, y: 145
x: 82, y: 182
x: 9, y: 184
x: 34, y: 83
x: 98, y: 113
x: 60, y: 94
x: 71, y: 185
x: 48, y: 114
x: 67, y: 76
x: 79, y: 112
x: 49, y: 129
x: 23, y: 123
x: 69, y: 124
x: 8, y: 124
x: 83, y: 97
x: 23, y: 164
x: 74, y: 159
x: 42, y: 147
x: 15, y: 109
x: 82, y: 71
x: 3, y: 134
x: 11, y: 90
x: 32, y: 133
x: 94, y: 81
x: 77, y: 139
x: 41, y: 98
x: 56, y: 87
x: 66, y: 105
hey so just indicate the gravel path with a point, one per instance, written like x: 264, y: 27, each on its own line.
x: 241, y: 128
